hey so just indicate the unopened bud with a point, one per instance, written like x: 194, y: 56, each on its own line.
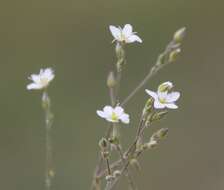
x: 148, y: 107
x: 151, y: 144
x: 105, y: 154
x: 173, y: 56
x: 160, y: 134
x: 166, y: 86
x: 134, y: 162
x: 109, y: 178
x: 179, y: 35
x: 158, y: 115
x: 111, y: 81
x: 117, y: 173
x: 103, y: 144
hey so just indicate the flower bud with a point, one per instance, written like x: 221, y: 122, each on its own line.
x: 148, y: 107
x: 174, y: 55
x: 166, y: 86
x: 134, y: 162
x: 103, y: 144
x: 111, y: 81
x: 109, y: 178
x: 151, y: 144
x: 179, y: 35
x: 158, y: 116
x: 117, y: 173
x: 160, y: 134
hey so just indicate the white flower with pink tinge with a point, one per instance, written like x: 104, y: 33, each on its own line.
x: 41, y: 80
x: 114, y: 115
x: 163, y: 98
x: 125, y: 35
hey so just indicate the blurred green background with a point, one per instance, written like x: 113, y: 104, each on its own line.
x: 72, y: 37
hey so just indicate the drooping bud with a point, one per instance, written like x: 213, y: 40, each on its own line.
x: 173, y: 56
x: 111, y: 81
x: 109, y: 178
x: 158, y: 116
x: 148, y: 107
x: 151, y: 144
x: 159, y: 135
x: 134, y: 162
x: 103, y: 144
x: 179, y: 35
x: 166, y: 86
x: 116, y: 173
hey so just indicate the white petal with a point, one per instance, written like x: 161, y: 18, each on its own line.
x: 127, y: 30
x: 158, y: 105
x: 35, y: 78
x: 171, y: 106
x: 108, y: 110
x: 49, y: 74
x: 116, y: 32
x: 101, y: 114
x: 152, y: 94
x: 133, y: 38
x: 34, y: 86
x: 162, y: 95
x: 125, y: 118
x: 173, y: 96
x: 118, y: 110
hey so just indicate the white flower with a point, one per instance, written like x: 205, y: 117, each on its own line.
x: 41, y: 80
x: 164, y: 99
x: 124, y: 35
x: 114, y: 115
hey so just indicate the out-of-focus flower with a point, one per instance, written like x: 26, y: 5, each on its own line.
x: 163, y: 98
x: 114, y: 115
x: 41, y: 80
x: 125, y: 35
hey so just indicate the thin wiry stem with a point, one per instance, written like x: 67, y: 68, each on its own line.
x: 161, y: 62
x: 49, y: 173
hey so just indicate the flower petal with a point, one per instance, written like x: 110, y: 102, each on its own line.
x: 101, y: 114
x: 116, y: 32
x: 34, y: 86
x: 108, y: 110
x: 152, y: 94
x: 133, y: 38
x: 127, y: 30
x: 125, y: 118
x: 173, y: 96
x: 171, y: 106
x: 158, y: 105
x: 118, y: 110
x: 48, y: 73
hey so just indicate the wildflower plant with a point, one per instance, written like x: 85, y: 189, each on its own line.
x: 158, y: 103
x: 41, y: 82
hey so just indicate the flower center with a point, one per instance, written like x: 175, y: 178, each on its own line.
x: 162, y: 100
x: 114, y: 117
x: 44, y: 81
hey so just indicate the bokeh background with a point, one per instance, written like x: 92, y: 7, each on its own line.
x: 72, y: 37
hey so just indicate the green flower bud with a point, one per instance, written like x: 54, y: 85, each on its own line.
x: 148, y: 107
x: 179, y: 35
x: 158, y: 115
x: 174, y: 55
x: 103, y: 144
x: 111, y: 81
x: 160, y: 134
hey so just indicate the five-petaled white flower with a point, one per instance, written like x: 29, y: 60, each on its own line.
x: 125, y: 35
x: 114, y: 115
x: 41, y: 80
x: 163, y: 98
